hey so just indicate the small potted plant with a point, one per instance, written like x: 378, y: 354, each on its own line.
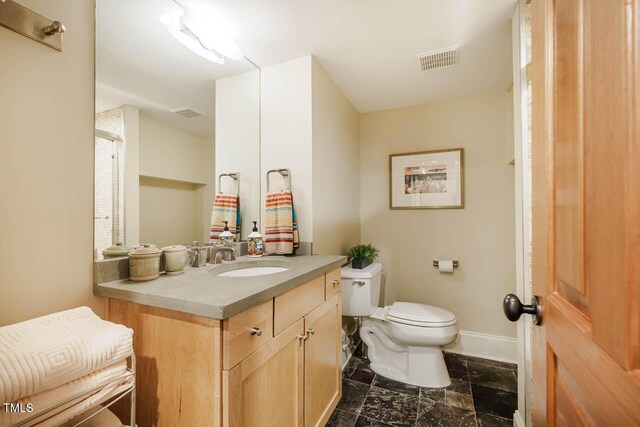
x: 362, y: 255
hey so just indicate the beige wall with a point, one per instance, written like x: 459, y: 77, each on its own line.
x: 480, y: 236
x: 206, y: 193
x: 238, y: 141
x: 131, y: 125
x: 170, y: 212
x: 286, y: 134
x: 170, y: 153
x: 309, y: 126
x: 46, y: 167
x: 336, y: 167
x: 176, y: 184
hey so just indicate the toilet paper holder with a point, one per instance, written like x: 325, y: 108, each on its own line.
x: 436, y: 263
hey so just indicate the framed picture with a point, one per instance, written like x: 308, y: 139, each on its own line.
x: 427, y: 180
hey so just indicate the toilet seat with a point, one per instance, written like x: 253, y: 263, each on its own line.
x: 421, y: 315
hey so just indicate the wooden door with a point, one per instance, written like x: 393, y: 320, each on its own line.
x: 322, y: 362
x: 266, y: 389
x: 586, y: 212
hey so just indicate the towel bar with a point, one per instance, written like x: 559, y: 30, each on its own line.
x: 233, y: 175
x: 285, y: 173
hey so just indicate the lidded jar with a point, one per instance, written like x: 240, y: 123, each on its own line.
x: 175, y: 258
x: 144, y: 263
x: 117, y: 250
x: 256, y: 242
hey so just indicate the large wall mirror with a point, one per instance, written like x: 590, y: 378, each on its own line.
x: 177, y: 122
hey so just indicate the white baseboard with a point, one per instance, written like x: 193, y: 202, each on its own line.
x: 518, y: 421
x: 494, y: 347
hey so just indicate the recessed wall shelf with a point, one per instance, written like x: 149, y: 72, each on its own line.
x: 18, y: 18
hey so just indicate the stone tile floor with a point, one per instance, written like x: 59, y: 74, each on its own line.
x: 482, y: 393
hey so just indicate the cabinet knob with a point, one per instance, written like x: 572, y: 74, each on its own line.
x: 256, y: 331
x: 335, y: 282
x: 303, y: 337
x: 310, y: 331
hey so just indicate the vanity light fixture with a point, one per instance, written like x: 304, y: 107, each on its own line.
x: 203, y: 32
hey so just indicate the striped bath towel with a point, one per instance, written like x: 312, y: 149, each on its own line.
x: 281, y: 226
x: 226, y: 207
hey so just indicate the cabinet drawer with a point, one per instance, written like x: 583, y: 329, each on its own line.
x: 333, y: 283
x: 295, y: 304
x: 246, y: 332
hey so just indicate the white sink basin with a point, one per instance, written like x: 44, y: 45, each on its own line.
x: 253, y: 271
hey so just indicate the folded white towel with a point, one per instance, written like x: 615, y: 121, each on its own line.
x: 95, y: 399
x: 46, y: 352
x: 112, y: 377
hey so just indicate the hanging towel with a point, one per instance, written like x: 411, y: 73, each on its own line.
x: 281, y: 227
x: 294, y: 219
x: 226, y: 207
x: 238, y: 221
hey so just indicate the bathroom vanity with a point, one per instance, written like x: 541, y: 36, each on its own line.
x: 217, y: 350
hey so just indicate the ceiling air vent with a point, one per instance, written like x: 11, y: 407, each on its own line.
x: 438, y: 58
x: 186, y: 112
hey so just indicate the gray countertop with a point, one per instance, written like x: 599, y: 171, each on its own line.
x: 202, y: 292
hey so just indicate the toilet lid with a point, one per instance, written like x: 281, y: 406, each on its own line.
x: 421, y: 314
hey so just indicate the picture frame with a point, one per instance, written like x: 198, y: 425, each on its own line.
x: 427, y: 179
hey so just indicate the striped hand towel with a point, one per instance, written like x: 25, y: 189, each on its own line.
x: 281, y: 226
x: 226, y: 207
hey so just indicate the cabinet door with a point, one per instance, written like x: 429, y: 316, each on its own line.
x: 266, y: 389
x: 322, y: 362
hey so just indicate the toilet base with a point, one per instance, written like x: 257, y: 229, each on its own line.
x: 423, y: 366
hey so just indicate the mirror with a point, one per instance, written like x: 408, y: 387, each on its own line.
x: 177, y: 120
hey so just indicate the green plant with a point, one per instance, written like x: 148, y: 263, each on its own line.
x: 366, y: 252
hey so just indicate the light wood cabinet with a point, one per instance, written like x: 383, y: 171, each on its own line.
x: 275, y: 364
x: 322, y: 362
x: 293, y: 305
x: 178, y: 366
x: 266, y: 389
x: 245, y: 333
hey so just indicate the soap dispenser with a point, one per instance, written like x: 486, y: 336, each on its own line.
x: 226, y: 238
x: 256, y: 243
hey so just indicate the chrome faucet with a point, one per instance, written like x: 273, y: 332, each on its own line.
x: 197, y: 255
x: 222, y: 254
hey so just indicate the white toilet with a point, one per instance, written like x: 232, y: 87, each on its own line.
x: 404, y: 340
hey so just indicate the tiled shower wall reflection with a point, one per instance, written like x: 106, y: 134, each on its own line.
x: 109, y: 182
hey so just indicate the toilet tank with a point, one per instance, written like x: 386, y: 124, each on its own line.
x: 361, y: 290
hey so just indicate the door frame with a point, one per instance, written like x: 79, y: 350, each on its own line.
x: 522, y: 151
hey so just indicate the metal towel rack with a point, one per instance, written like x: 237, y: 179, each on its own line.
x: 285, y: 173
x: 43, y: 415
x: 234, y: 175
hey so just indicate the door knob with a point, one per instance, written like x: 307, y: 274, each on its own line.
x: 513, y: 308
x: 256, y: 331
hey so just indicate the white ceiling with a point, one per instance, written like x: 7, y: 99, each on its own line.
x: 140, y: 64
x: 367, y: 46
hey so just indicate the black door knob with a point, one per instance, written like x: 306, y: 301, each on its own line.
x: 513, y: 308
